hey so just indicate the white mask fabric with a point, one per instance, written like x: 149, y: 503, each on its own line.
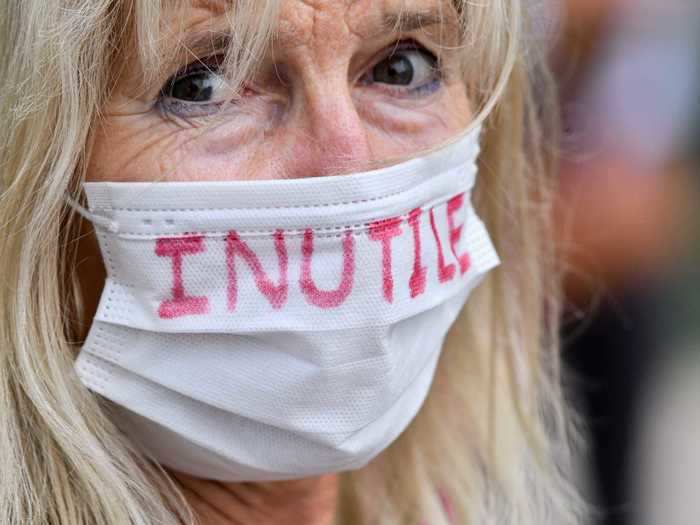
x: 280, y: 329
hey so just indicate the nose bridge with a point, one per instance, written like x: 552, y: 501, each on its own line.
x: 337, y: 122
x: 333, y: 134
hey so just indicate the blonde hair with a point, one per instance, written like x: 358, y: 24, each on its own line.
x: 494, y: 436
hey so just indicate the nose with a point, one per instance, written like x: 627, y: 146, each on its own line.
x: 328, y: 134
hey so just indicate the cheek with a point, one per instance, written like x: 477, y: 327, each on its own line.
x: 143, y: 146
x: 402, y: 128
x: 256, y: 145
x: 132, y: 148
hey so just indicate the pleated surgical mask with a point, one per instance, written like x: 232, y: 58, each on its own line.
x: 279, y: 329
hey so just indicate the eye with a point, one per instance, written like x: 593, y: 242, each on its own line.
x: 410, y: 68
x: 195, y: 87
x: 197, y: 90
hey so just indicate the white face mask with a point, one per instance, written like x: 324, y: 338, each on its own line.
x: 268, y: 330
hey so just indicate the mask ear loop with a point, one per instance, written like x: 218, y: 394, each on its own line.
x: 108, y: 224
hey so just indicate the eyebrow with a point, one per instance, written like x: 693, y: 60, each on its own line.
x: 214, y: 5
x: 413, y: 20
x: 203, y: 42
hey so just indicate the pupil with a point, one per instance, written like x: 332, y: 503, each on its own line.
x: 395, y: 70
x: 193, y: 88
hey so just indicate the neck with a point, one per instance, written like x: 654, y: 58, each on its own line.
x: 311, y: 501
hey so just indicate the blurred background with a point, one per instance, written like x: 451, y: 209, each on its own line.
x: 628, y: 224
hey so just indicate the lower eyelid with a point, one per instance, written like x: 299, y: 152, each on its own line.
x: 431, y: 87
x: 179, y: 112
x: 426, y: 89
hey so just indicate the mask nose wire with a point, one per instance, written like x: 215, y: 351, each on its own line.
x: 98, y: 220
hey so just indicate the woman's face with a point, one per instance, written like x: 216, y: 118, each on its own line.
x: 340, y: 90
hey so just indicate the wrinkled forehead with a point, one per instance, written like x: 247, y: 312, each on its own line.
x: 296, y: 21
x: 364, y: 19
x: 352, y: 8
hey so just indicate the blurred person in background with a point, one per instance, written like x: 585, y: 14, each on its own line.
x: 666, y: 458
x: 627, y: 73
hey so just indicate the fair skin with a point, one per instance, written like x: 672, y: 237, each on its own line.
x: 329, y: 98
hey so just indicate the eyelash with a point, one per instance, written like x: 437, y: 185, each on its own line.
x: 171, y: 106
